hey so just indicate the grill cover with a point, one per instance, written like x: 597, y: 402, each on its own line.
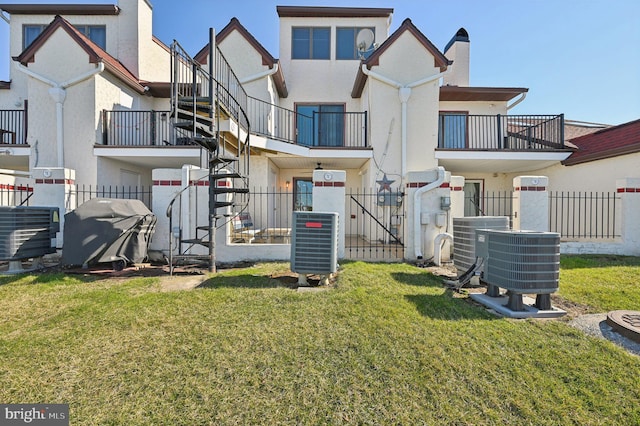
x: 107, y: 230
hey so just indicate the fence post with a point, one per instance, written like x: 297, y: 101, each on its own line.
x: 531, y: 203
x: 55, y: 187
x: 457, y: 198
x: 629, y: 190
x: 329, y: 196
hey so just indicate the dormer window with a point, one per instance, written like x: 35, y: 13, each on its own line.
x: 310, y: 43
x: 95, y: 33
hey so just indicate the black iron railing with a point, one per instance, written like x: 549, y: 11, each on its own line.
x: 320, y: 129
x: 500, y: 132
x: 138, y: 128
x: 84, y: 193
x: 489, y: 203
x: 585, y: 215
x: 13, y: 126
x: 15, y: 195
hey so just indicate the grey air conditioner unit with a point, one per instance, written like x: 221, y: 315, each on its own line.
x: 314, y: 243
x: 464, y: 238
x: 522, y: 262
x: 27, y: 232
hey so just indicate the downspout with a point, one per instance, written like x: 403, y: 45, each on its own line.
x: 517, y: 101
x: 4, y: 17
x: 260, y: 75
x: 58, y: 93
x: 404, y: 92
x: 417, y: 234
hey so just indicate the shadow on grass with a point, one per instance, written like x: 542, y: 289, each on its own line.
x: 568, y: 261
x: 423, y: 279
x: 243, y: 281
x: 445, y: 307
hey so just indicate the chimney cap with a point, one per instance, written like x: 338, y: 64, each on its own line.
x: 461, y: 35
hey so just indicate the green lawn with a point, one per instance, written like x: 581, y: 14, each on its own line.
x: 603, y: 283
x: 387, y: 345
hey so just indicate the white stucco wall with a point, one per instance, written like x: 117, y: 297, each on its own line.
x: 334, y: 78
x: 402, y: 64
x: 597, y: 176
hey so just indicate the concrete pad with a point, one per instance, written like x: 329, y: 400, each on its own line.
x: 498, y: 304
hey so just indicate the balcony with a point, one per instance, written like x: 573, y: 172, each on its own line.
x: 501, y: 132
x: 13, y: 126
x: 317, y: 126
x: 500, y: 143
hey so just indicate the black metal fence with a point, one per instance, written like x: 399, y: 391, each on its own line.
x: 374, y: 223
x: 585, y: 215
x: 489, y: 203
x: 13, y: 126
x: 500, y: 132
x: 266, y: 219
x: 84, y: 193
x: 15, y: 195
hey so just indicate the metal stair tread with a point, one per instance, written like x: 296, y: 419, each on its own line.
x: 199, y: 241
x: 225, y: 190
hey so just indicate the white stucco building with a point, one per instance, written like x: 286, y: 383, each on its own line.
x: 91, y: 91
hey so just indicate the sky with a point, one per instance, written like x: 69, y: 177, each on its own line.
x: 577, y: 57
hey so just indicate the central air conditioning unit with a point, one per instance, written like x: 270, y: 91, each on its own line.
x: 314, y: 243
x: 522, y: 262
x: 27, y: 233
x: 464, y: 238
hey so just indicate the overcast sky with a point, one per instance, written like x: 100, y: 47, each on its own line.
x: 577, y: 57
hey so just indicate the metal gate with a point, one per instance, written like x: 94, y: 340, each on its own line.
x: 374, y: 225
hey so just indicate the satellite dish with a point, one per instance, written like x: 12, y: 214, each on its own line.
x: 364, y: 41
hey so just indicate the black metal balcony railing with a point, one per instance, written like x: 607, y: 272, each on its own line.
x: 13, y: 126
x: 139, y: 128
x: 501, y: 132
x: 321, y: 129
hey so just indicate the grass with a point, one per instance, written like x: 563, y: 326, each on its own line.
x: 387, y: 345
x: 603, y: 283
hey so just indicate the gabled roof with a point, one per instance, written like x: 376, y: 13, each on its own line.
x: 61, y: 9
x: 460, y: 93
x: 95, y: 52
x: 267, y: 59
x: 611, y: 142
x: 439, y: 60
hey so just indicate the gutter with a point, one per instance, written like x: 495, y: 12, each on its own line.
x: 58, y: 93
x: 517, y: 101
x: 260, y: 75
x: 404, y: 92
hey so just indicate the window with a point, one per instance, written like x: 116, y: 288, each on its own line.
x: 29, y: 33
x: 452, y: 130
x: 320, y: 125
x: 302, y: 194
x: 95, y: 33
x: 346, y: 43
x: 311, y: 43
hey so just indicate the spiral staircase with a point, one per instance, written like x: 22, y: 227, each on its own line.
x: 208, y: 109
